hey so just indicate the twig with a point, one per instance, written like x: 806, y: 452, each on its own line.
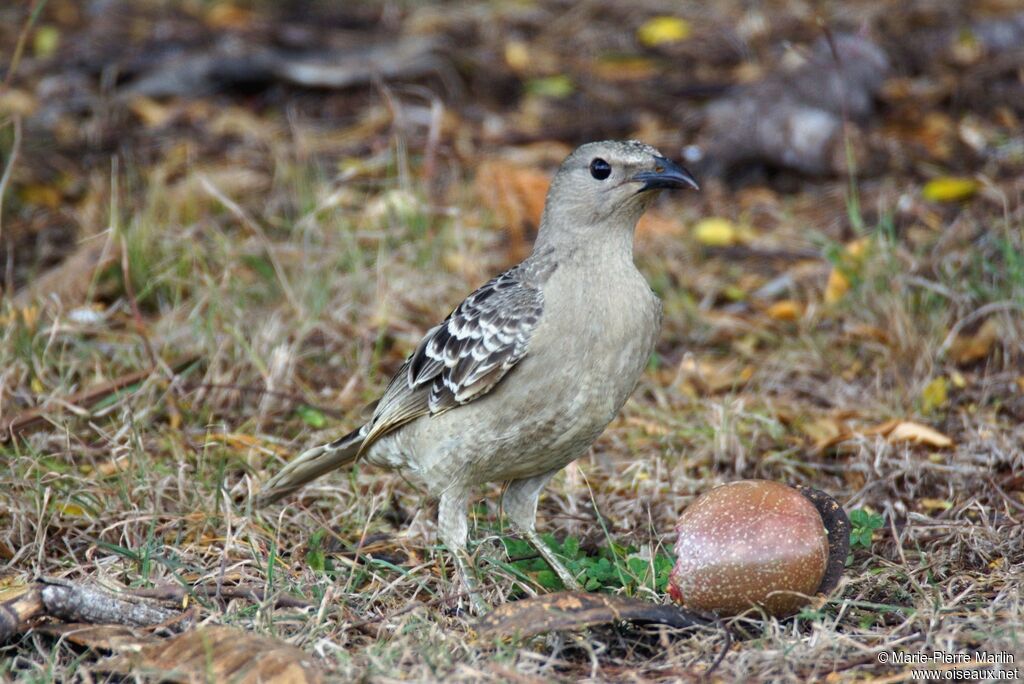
x: 980, y: 312
x: 256, y: 228
x: 33, y: 416
x: 251, y: 389
x: 9, y: 167
x: 436, y: 601
x: 73, y: 602
x: 725, y: 649
x: 19, y: 48
x: 81, y: 603
x: 252, y: 592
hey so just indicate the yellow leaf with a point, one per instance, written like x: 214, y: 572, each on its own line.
x: 554, y: 87
x: 72, y: 510
x: 630, y: 68
x: 850, y: 261
x: 517, y: 55
x: 41, y: 195
x: 14, y: 101
x: 225, y: 15
x: 150, y: 112
x: 857, y: 249
x: 716, y: 232
x: 46, y: 41
x: 837, y: 286
x: 241, y: 442
x: 663, y: 30
x: 949, y: 189
x: 916, y: 433
x: 936, y: 504
x: 786, y: 310
x: 935, y: 394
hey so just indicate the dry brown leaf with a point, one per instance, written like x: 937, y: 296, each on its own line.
x: 219, y: 654
x: 101, y: 637
x: 151, y: 113
x: 577, y: 610
x: 967, y: 349
x: 19, y: 102
x: 916, y: 433
x: 649, y: 426
x: 709, y: 377
x: 785, y: 310
x: 70, y: 281
x: 654, y: 223
x: 850, y: 261
x: 895, y: 432
x: 516, y: 195
x: 237, y: 440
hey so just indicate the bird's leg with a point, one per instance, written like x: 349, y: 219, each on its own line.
x: 520, y: 504
x: 453, y: 529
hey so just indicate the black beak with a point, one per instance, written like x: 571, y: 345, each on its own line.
x: 667, y: 175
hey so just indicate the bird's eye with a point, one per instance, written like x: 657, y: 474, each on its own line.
x: 600, y: 169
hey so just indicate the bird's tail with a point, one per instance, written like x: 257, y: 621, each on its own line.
x: 309, y: 465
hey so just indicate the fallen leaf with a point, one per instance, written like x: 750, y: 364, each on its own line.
x: 919, y: 434
x: 849, y: 261
x: 226, y: 15
x: 967, y: 349
x: 516, y: 195
x: 150, y: 112
x: 517, y: 55
x: 41, y: 195
x: 71, y: 510
x: 663, y: 30
x: 785, y: 310
x: 311, y: 416
x: 949, y: 189
x: 101, y: 637
x: 555, y: 87
x: 574, y: 611
x: 624, y: 69
x: 656, y: 223
x: 934, y: 395
x: 46, y: 41
x: 14, y: 101
x: 895, y: 432
x: 716, y: 232
x: 837, y: 286
x: 242, y: 442
x: 218, y: 654
x: 710, y: 377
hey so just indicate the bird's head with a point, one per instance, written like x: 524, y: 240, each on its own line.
x: 604, y: 186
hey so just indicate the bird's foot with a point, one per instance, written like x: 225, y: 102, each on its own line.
x: 465, y: 565
x: 568, y: 579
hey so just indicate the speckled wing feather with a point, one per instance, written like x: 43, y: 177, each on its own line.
x: 467, y: 355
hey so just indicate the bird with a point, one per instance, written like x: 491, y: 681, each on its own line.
x: 523, y: 376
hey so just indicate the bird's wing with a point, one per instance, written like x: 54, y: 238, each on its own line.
x: 465, y: 356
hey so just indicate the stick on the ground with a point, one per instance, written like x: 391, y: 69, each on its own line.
x: 33, y: 416
x: 74, y: 602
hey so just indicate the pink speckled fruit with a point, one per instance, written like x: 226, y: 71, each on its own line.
x: 746, y: 543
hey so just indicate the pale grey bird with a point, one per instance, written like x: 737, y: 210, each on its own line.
x: 526, y: 373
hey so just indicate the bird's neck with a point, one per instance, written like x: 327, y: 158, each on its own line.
x: 608, y: 241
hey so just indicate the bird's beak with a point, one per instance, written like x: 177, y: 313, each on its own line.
x: 667, y: 175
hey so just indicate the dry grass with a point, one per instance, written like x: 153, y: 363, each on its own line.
x: 296, y: 286
x: 152, y: 485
